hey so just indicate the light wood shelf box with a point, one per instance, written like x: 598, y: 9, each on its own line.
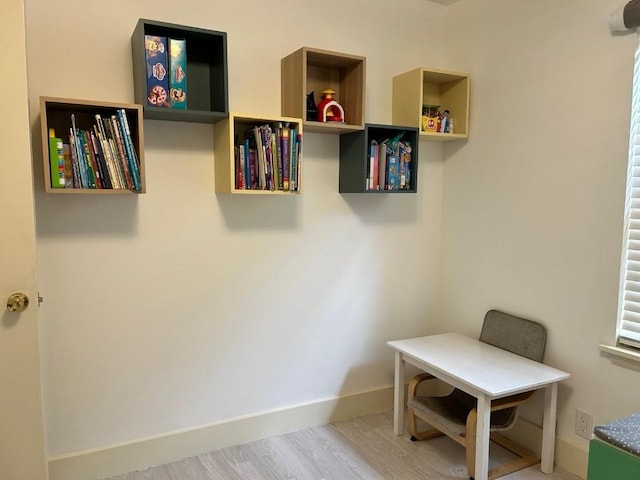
x: 207, y: 84
x: 56, y: 113
x: 425, y: 86
x: 231, y: 129
x: 313, y: 70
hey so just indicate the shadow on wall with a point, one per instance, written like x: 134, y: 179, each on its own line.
x: 259, y: 212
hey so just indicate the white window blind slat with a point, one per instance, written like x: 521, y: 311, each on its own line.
x: 629, y: 300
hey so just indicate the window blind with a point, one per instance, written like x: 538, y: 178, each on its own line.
x: 629, y: 303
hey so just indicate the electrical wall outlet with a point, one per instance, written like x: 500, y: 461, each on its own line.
x: 584, y: 424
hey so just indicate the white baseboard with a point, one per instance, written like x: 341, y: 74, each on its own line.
x: 145, y: 452
x: 568, y: 456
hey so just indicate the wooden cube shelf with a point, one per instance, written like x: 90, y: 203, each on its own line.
x: 56, y: 115
x: 422, y: 86
x: 356, y: 159
x: 206, y: 72
x: 313, y: 70
x: 230, y: 132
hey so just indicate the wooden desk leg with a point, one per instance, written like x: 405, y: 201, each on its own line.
x: 549, y: 428
x: 398, y: 399
x: 482, y: 438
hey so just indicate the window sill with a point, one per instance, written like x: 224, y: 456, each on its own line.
x: 623, y: 357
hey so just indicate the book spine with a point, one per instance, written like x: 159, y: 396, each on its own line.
x: 84, y: 182
x: 241, y: 169
x: 122, y: 156
x: 77, y: 181
x: 262, y: 177
x: 382, y: 160
x: 106, y: 155
x: 92, y: 167
x: 107, y: 147
x: 129, y: 148
x: 56, y: 161
x: 277, y: 160
x: 299, y: 156
x: 253, y: 166
x: 157, y: 79
x: 293, y: 160
x: 68, y: 166
x: 286, y: 157
x: 371, y: 159
x: 105, y: 176
x: 178, y: 73
x: 393, y: 164
x: 247, y: 166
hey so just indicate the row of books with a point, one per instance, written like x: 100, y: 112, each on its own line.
x: 102, y: 157
x: 166, y: 60
x: 268, y: 158
x: 389, y: 164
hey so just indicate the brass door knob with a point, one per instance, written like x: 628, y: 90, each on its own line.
x: 17, y: 302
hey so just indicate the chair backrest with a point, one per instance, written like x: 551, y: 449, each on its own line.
x: 514, y: 334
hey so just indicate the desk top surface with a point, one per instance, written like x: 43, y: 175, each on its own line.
x: 483, y: 367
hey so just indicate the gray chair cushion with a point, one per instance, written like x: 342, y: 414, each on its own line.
x: 514, y: 334
x: 452, y: 410
x: 624, y: 433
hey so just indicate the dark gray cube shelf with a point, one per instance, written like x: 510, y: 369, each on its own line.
x: 354, y: 157
x: 207, y: 88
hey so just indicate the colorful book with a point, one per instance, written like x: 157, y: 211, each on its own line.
x: 286, y: 157
x: 92, y: 168
x: 157, y: 71
x: 405, y: 165
x: 105, y: 175
x: 56, y: 160
x: 80, y: 161
x: 248, y: 170
x: 393, y: 173
x: 382, y: 169
x: 373, y: 158
x: 292, y: 160
x: 68, y: 166
x: 129, y: 147
x: 177, y: 73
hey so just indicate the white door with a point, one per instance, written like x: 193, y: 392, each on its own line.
x: 22, y: 451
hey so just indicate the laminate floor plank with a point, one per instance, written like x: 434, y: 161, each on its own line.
x: 363, y: 448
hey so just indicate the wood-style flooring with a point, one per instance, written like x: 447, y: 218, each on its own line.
x: 360, y: 448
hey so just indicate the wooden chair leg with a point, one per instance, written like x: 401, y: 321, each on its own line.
x: 411, y: 420
x: 413, y: 428
x: 470, y: 439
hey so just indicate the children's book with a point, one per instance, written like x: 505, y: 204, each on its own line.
x: 155, y: 49
x: 178, y: 73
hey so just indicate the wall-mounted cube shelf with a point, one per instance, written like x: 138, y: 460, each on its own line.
x: 423, y: 86
x: 230, y: 133
x: 313, y: 70
x: 206, y: 72
x: 363, y: 170
x: 105, y: 166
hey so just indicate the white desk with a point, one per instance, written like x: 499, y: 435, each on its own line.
x: 487, y: 373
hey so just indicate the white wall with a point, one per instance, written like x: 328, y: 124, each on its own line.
x: 180, y: 307
x: 533, y: 202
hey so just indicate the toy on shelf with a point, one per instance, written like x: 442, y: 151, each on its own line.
x: 434, y: 121
x: 444, y: 122
x: 430, y: 118
x: 329, y: 110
